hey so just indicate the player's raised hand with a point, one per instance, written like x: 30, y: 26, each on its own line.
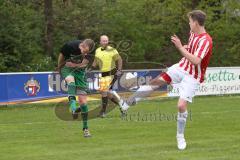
x: 176, y: 41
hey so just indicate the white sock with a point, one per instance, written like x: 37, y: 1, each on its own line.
x: 141, y: 93
x: 181, y: 122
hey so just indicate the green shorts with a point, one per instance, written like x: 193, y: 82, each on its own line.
x: 79, y: 76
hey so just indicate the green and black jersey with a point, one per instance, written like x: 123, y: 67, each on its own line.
x: 71, y: 52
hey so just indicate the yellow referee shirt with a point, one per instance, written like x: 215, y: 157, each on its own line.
x: 106, y: 58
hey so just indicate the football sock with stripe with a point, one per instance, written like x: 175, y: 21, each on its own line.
x: 84, y: 113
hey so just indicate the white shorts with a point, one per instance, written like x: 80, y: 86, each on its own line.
x: 186, y: 83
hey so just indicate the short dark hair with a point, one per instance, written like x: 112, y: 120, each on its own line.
x: 197, y: 15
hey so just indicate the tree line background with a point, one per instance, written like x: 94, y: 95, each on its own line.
x: 33, y: 31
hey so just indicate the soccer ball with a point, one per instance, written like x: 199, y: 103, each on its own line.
x: 128, y: 80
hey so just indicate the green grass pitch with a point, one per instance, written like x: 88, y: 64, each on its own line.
x: 33, y: 132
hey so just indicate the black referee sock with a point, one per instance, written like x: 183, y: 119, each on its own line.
x: 104, y: 103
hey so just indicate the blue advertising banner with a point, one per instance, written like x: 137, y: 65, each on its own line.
x: 33, y: 86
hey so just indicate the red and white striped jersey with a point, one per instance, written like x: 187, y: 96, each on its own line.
x: 201, y: 46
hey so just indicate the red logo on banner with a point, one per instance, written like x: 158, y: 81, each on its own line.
x: 32, y: 87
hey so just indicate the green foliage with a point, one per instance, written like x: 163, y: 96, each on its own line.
x: 20, y: 35
x: 223, y: 24
x: 148, y: 24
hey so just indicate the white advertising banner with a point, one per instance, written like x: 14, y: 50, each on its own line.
x: 218, y: 81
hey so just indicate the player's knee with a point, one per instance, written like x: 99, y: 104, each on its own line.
x: 182, y: 106
x: 82, y: 100
x: 165, y: 78
x: 69, y: 79
x: 158, y: 81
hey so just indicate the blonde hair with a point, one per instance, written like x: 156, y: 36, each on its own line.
x: 90, y: 43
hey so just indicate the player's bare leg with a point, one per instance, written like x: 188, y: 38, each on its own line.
x: 143, y: 91
x: 112, y: 97
x: 181, y: 123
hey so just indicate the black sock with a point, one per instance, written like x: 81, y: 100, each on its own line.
x: 104, y: 103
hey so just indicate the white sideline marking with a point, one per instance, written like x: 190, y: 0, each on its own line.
x: 219, y: 112
x: 27, y: 123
